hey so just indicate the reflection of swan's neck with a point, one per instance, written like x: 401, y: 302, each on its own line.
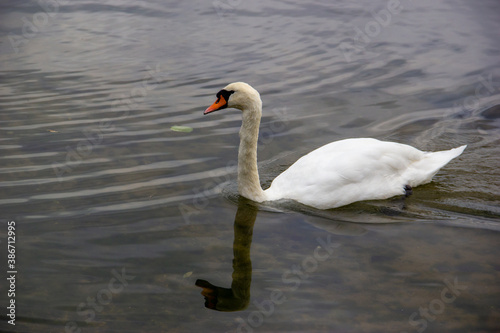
x: 237, y: 297
x: 248, y: 173
x: 242, y: 264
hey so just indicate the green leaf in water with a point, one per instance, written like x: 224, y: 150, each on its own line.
x: 185, y: 129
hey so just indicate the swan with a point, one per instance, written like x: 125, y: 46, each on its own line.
x: 334, y: 175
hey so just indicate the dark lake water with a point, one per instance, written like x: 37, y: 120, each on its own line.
x: 122, y: 220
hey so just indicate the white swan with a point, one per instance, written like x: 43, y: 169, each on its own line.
x: 334, y: 175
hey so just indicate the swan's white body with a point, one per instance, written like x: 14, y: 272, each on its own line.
x: 352, y: 170
x: 334, y: 175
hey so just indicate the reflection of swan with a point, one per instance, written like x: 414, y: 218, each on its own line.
x: 334, y: 175
x: 237, y: 297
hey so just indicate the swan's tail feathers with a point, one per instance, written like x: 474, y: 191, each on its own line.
x: 458, y: 151
x: 446, y: 156
x: 432, y: 162
x: 437, y: 160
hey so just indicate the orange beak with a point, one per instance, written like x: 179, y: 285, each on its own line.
x: 220, y: 103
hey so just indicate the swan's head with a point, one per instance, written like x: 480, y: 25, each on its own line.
x: 238, y: 95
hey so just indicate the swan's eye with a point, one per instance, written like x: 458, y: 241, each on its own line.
x: 225, y: 94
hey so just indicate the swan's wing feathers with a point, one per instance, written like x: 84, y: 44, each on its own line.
x: 346, y: 171
x: 352, y: 170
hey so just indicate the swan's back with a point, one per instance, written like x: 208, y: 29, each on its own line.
x: 352, y: 170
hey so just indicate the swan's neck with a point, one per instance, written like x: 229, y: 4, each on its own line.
x: 248, y: 173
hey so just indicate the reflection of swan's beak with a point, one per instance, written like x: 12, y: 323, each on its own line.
x: 209, y: 292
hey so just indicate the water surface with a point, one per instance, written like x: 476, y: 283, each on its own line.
x: 120, y: 219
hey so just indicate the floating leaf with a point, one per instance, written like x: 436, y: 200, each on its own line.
x: 185, y: 129
x: 188, y: 274
x: 53, y: 131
